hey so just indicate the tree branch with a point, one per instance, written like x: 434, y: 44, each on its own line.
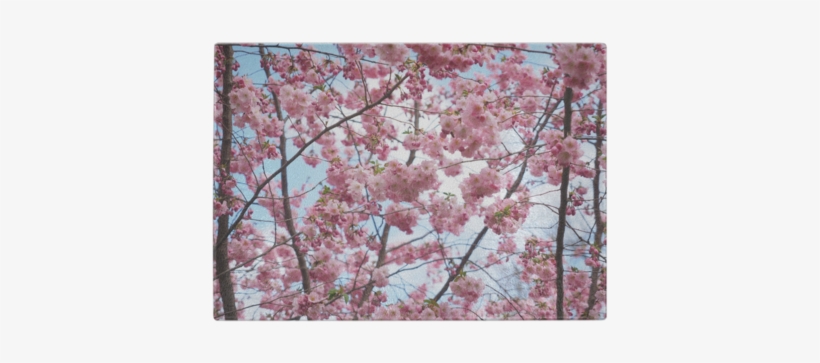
x: 513, y: 48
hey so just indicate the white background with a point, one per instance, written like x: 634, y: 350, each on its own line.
x: 106, y: 181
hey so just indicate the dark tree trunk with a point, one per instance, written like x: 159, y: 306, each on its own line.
x: 596, y: 207
x: 562, y: 212
x: 221, y: 253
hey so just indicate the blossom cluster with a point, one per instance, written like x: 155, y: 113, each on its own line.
x: 505, y: 216
x: 447, y: 215
x: 401, y: 183
x: 468, y: 288
x: 247, y: 105
x: 403, y: 218
x: 477, y: 186
x: 380, y: 276
x: 580, y: 63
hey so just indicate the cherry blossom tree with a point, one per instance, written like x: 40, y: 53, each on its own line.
x: 409, y: 181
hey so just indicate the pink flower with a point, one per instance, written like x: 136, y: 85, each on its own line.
x: 554, y: 175
x: 394, y: 54
x: 507, y: 245
x: 478, y: 186
x: 380, y: 278
x: 468, y: 288
x: 446, y: 214
x: 404, y: 218
x: 505, y: 216
x: 219, y: 209
x: 580, y: 63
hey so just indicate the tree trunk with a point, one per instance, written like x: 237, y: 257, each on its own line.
x: 221, y: 253
x: 596, y: 207
x: 562, y: 212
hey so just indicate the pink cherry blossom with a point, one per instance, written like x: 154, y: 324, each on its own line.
x: 404, y: 181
